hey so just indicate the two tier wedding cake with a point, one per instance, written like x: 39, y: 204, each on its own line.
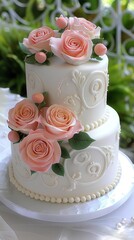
x: 65, y: 138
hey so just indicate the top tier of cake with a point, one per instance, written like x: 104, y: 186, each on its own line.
x: 82, y: 88
x: 71, y: 65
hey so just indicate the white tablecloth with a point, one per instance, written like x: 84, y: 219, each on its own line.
x: 31, y: 229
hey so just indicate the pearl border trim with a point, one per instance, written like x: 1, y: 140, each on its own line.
x: 76, y: 199
x: 97, y: 123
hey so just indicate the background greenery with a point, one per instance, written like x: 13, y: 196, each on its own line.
x: 121, y: 86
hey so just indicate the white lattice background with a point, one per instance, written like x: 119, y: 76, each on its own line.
x: 11, y: 15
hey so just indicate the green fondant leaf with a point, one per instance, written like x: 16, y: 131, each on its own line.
x: 97, y: 40
x: 99, y: 58
x: 24, y: 49
x: 47, y: 62
x: 45, y: 93
x: 30, y: 59
x: 96, y: 56
x: 16, y: 142
x: 41, y: 105
x: 49, y: 54
x: 58, y: 169
x: 64, y: 153
x: 32, y: 172
x: 80, y: 141
x: 21, y: 135
x: 61, y: 30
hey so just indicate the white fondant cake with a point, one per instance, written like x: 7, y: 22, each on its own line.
x: 76, y: 157
x: 82, y: 88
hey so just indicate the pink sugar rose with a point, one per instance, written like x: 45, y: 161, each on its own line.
x: 61, y: 22
x: 81, y: 24
x: 38, y: 152
x: 59, y: 122
x: 73, y: 47
x: 24, y: 116
x: 100, y: 49
x: 39, y: 39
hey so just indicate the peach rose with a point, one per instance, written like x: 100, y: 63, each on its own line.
x: 73, y: 47
x: 39, y: 39
x: 59, y: 122
x: 38, y: 152
x: 24, y: 116
x: 81, y: 24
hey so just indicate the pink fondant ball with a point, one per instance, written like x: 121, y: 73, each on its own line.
x: 100, y: 49
x: 40, y: 57
x: 37, y: 97
x: 13, y: 136
x: 61, y: 22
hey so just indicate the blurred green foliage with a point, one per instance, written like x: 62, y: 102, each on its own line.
x: 121, y: 98
x: 12, y: 74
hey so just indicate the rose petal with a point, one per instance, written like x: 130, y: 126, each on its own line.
x: 55, y: 44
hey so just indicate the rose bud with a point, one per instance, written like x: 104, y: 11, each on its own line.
x: 37, y: 97
x: 61, y: 22
x: 100, y: 49
x: 40, y: 57
x: 13, y: 136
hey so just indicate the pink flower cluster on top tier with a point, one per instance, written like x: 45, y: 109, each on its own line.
x: 77, y: 41
x: 38, y: 129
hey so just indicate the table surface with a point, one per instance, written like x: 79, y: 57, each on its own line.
x: 31, y: 229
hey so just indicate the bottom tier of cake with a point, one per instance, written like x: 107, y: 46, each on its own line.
x: 89, y: 173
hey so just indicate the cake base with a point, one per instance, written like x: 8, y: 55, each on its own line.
x: 31, y: 208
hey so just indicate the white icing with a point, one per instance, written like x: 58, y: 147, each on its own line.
x: 86, y: 166
x: 75, y: 199
x: 83, y: 88
x: 89, y: 173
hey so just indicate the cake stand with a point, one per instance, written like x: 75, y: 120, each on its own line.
x: 76, y: 212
